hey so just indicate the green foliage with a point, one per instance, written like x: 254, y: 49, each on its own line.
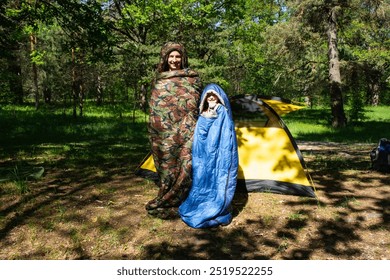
x: 37, y: 57
x: 276, y: 48
x: 365, y: 48
x: 356, y: 112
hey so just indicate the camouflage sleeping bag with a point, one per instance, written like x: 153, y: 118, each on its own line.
x: 173, y: 112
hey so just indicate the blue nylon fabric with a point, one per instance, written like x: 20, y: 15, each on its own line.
x: 214, y: 167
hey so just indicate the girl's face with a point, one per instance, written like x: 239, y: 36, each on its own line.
x: 174, y: 61
x: 212, y: 100
x: 212, y: 97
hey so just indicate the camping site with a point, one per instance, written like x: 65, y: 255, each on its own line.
x: 69, y: 191
x: 309, y: 87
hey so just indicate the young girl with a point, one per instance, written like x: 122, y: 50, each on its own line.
x: 214, y: 163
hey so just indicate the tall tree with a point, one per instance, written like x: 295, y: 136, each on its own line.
x: 322, y: 17
x: 366, y: 47
x: 251, y: 67
x: 11, y: 26
x: 336, y: 96
x: 88, y: 39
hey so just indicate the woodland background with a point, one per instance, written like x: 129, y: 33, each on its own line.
x: 74, y: 86
x: 332, y: 53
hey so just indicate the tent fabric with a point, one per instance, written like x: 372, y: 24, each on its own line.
x: 214, y: 167
x: 281, y: 106
x: 269, y: 158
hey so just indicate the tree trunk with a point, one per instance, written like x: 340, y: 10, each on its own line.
x: 374, y: 89
x: 81, y: 97
x: 99, y: 90
x: 78, y: 90
x: 75, y: 88
x: 47, y: 94
x: 33, y: 42
x: 373, y: 86
x: 339, y: 119
x: 15, y: 77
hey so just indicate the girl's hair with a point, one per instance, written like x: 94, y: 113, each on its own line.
x: 166, y: 49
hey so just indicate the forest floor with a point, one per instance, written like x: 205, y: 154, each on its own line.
x: 77, y: 212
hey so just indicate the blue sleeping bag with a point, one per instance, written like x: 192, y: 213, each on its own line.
x: 214, y: 166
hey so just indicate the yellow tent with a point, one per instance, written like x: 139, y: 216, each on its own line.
x: 269, y: 158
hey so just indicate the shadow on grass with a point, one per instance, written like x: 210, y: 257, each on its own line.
x: 78, y: 154
x: 89, y: 162
x: 351, y: 210
x: 353, y: 207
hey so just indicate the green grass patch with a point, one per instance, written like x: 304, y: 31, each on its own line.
x: 52, y: 135
x: 298, y: 216
x: 314, y: 125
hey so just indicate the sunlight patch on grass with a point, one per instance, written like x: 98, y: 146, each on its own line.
x: 301, y: 128
x: 314, y: 125
x: 379, y: 113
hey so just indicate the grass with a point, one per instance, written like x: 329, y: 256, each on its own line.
x: 298, y: 216
x: 314, y: 125
x: 87, y: 200
x: 52, y: 136
x: 348, y: 201
x: 51, y: 133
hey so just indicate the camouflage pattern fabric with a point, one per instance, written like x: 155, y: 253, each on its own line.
x: 173, y: 114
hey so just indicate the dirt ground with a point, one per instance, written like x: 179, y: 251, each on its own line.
x: 78, y: 213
